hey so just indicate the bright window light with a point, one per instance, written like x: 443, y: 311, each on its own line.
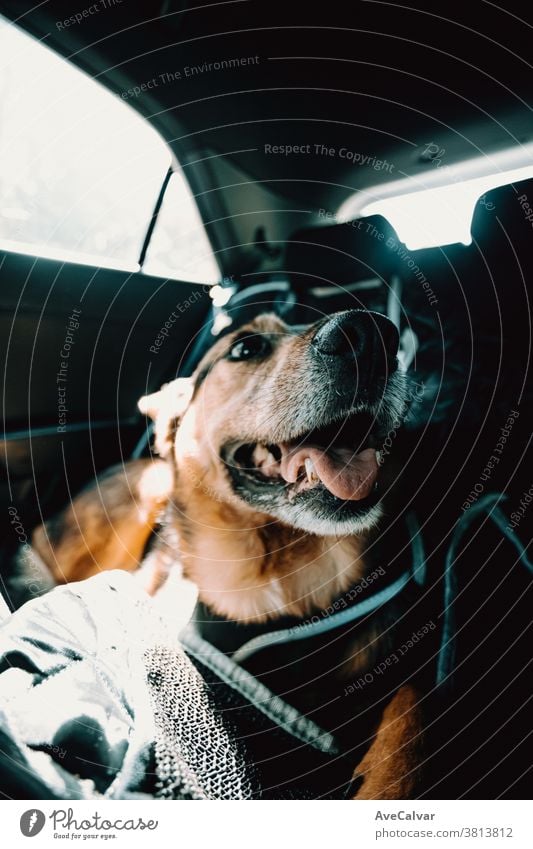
x: 433, y: 217
x: 179, y: 247
x: 81, y: 172
x: 440, y: 215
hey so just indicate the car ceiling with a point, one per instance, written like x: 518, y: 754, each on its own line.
x: 380, y: 79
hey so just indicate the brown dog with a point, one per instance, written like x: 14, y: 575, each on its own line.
x: 275, y: 490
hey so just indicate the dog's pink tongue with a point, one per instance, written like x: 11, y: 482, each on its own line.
x: 347, y: 476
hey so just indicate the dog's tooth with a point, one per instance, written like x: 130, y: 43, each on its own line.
x: 312, y: 476
x: 378, y: 457
x: 260, y: 454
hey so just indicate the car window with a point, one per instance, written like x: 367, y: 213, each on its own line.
x: 426, y: 215
x: 80, y: 170
x: 179, y: 246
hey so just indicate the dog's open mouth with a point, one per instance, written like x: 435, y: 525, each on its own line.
x: 341, y: 457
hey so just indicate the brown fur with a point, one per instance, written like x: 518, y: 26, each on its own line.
x: 246, y: 565
x: 391, y: 767
x: 107, y: 525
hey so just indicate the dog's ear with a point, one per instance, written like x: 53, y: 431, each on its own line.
x: 166, y: 408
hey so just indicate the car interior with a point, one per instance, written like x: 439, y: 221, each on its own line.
x: 242, y: 157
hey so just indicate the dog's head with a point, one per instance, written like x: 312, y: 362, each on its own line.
x: 288, y: 421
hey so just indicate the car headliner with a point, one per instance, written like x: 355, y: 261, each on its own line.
x: 376, y: 79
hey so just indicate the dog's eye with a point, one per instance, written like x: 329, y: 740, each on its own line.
x: 249, y: 347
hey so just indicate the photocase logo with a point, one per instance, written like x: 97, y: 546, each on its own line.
x: 32, y: 822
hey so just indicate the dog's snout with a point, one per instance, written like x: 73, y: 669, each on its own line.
x: 367, y: 336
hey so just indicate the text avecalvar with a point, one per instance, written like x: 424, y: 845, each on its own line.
x: 404, y: 815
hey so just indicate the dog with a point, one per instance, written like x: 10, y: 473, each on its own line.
x: 271, y: 485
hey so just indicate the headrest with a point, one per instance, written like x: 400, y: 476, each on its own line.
x: 326, y: 269
x: 505, y: 210
x: 341, y: 254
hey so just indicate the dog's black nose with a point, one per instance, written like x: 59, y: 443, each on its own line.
x: 367, y: 336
